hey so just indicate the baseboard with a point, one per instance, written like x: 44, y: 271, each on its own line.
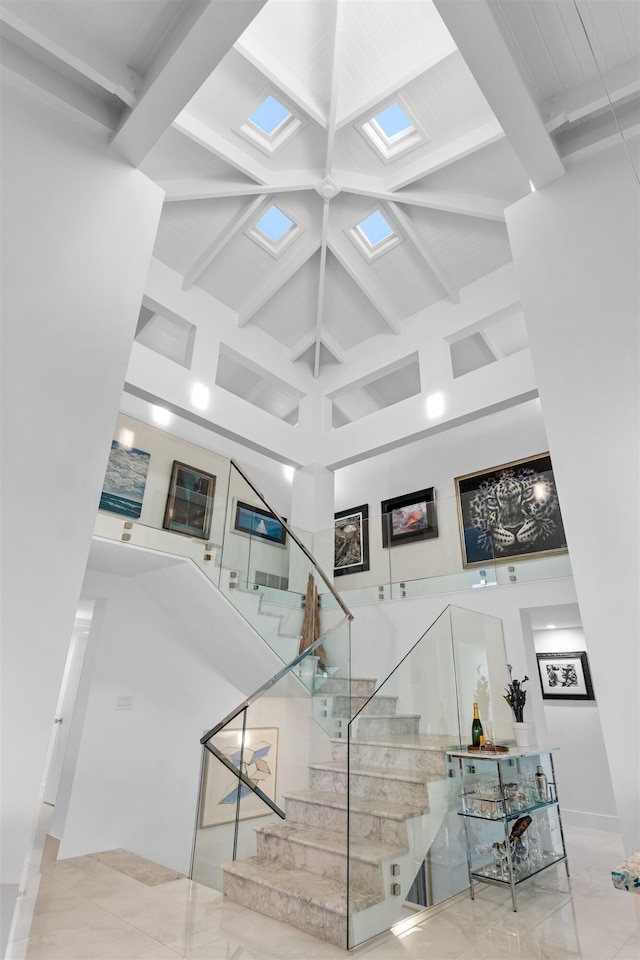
x: 594, y: 821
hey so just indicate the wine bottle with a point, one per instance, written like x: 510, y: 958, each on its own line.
x: 477, y: 733
x: 519, y: 827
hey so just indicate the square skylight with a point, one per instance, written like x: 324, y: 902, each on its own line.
x: 393, y: 121
x: 270, y: 115
x: 274, y: 224
x: 375, y: 229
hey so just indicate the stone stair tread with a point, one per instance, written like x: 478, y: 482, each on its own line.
x: 383, y: 773
x: 375, y: 808
x: 369, y: 851
x: 412, y: 741
x: 308, y: 887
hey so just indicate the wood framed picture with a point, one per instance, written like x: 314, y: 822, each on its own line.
x: 190, y: 501
x: 565, y: 676
x: 410, y: 517
x: 257, y: 759
x: 124, y: 481
x: 351, y: 541
x: 510, y: 512
x: 258, y: 522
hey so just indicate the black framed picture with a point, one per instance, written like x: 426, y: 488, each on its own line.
x: 258, y: 522
x: 190, y: 501
x: 565, y: 676
x: 510, y: 512
x: 351, y: 541
x: 410, y: 517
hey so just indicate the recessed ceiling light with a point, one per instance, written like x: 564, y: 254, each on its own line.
x: 435, y: 405
x: 274, y: 224
x: 270, y: 115
x: 375, y: 229
x: 126, y: 439
x: 200, y: 396
x: 551, y: 626
x: 161, y: 416
x: 288, y: 473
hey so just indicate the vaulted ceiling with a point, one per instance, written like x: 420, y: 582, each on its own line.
x: 498, y: 98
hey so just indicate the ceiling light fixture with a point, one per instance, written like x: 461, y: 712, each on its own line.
x: 551, y: 626
x: 161, y: 416
x: 200, y: 396
x: 289, y: 473
x: 126, y: 439
x: 435, y: 405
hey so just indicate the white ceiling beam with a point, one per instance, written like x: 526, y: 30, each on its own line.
x: 487, y: 54
x: 334, y: 348
x: 491, y: 345
x: 321, y: 287
x: 468, y: 143
x: 392, y: 323
x: 276, y: 280
x: 190, y: 55
x: 485, y: 208
x: 212, y: 189
x: 425, y: 252
x: 302, y: 345
x: 285, y: 81
x: 51, y: 86
x: 616, y: 84
x: 221, y: 241
x: 34, y: 22
x: 231, y: 153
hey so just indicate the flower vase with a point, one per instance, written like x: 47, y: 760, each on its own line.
x: 523, y: 733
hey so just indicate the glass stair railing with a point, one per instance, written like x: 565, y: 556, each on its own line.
x: 325, y: 802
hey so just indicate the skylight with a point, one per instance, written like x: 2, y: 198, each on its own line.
x: 269, y: 116
x: 393, y: 121
x: 274, y: 224
x: 375, y: 229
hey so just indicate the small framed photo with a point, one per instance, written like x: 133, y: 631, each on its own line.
x: 351, y: 541
x: 408, y: 518
x: 258, y: 522
x: 256, y: 760
x: 190, y: 501
x: 565, y: 676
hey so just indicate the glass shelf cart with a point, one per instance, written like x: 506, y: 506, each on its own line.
x: 512, y: 818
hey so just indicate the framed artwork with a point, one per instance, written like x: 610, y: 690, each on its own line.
x: 351, y: 541
x: 565, y: 676
x: 125, y: 481
x: 510, y: 512
x: 408, y: 518
x: 258, y: 761
x: 259, y: 523
x: 190, y: 501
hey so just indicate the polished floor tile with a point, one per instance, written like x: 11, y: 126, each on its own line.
x: 86, y: 908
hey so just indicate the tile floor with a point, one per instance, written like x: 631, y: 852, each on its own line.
x: 85, y: 909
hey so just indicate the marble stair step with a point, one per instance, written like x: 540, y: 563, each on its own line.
x: 338, y: 686
x: 375, y: 820
x: 317, y: 905
x: 418, y: 752
x: 349, y: 706
x: 380, y: 725
x: 320, y: 851
x: 391, y: 785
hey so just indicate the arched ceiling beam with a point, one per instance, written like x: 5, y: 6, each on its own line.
x: 486, y: 52
x: 50, y: 33
x: 457, y: 149
x: 277, y: 279
x: 230, y: 231
x: 391, y: 321
x: 177, y: 190
x: 425, y: 252
x: 286, y: 82
x: 485, y: 208
x: 194, y: 49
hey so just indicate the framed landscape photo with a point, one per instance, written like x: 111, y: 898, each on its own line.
x: 258, y: 522
x: 257, y: 760
x: 351, y: 541
x: 125, y: 480
x: 190, y: 501
x: 408, y: 518
x: 565, y: 676
x: 510, y: 512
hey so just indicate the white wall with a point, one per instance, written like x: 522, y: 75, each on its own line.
x: 137, y: 773
x: 581, y: 763
x: 78, y: 229
x: 576, y: 246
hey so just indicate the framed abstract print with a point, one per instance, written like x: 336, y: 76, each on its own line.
x: 257, y: 760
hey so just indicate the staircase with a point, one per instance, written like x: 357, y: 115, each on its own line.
x: 398, y: 796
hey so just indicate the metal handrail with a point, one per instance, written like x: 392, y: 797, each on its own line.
x: 336, y: 596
